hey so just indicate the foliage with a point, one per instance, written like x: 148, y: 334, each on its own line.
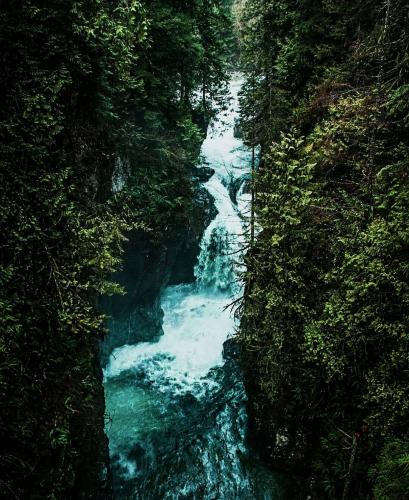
x: 60, y: 240
x: 324, y: 324
x: 99, y: 128
x: 182, y: 74
x: 391, y: 473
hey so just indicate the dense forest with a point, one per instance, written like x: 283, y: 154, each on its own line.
x: 324, y: 323
x: 101, y: 121
x: 105, y: 105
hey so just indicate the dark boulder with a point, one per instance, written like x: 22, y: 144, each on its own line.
x: 237, y: 131
x: 203, y: 174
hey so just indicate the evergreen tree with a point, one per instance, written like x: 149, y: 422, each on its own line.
x: 99, y: 129
x: 324, y: 324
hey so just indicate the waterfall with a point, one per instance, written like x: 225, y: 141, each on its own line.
x: 177, y: 407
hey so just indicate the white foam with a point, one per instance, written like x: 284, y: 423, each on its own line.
x: 196, y: 326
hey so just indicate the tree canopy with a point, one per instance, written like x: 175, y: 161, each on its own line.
x: 325, y: 315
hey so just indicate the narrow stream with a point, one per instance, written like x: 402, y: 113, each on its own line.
x: 177, y: 406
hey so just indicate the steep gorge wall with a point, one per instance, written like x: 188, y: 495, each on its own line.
x: 148, y: 267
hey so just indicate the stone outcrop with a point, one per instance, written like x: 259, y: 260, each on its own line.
x: 148, y: 267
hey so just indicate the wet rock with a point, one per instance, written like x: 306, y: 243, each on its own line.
x: 203, y: 212
x: 203, y: 174
x: 235, y: 185
x: 237, y: 131
x: 132, y: 324
x: 231, y: 349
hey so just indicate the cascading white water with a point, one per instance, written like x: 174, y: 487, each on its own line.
x: 222, y: 239
x: 195, y: 323
x: 177, y: 410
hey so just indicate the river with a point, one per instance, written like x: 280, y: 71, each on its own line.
x: 177, y: 426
